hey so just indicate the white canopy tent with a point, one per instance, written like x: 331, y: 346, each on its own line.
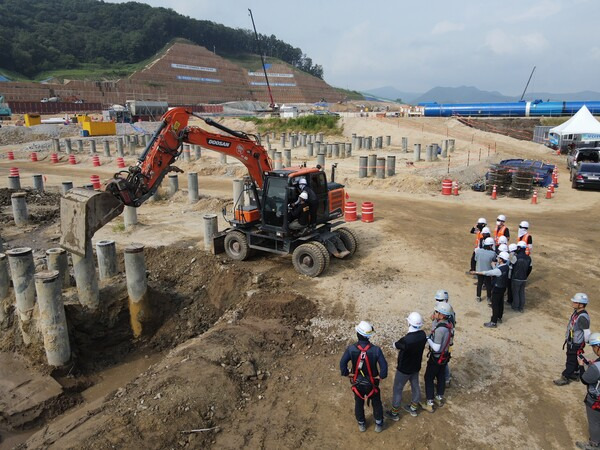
x: 582, y: 127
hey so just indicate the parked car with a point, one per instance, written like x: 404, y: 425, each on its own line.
x: 586, y: 175
x: 591, y: 154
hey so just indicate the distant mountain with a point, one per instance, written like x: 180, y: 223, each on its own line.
x: 462, y: 94
x: 392, y: 93
x: 573, y: 97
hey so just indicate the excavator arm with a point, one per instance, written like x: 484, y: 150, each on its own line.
x: 83, y: 212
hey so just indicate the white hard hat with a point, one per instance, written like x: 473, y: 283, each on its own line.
x: 302, y: 181
x: 441, y: 295
x: 501, y: 218
x: 522, y: 244
x: 485, y: 230
x: 524, y: 224
x: 580, y: 297
x: 503, y: 248
x: 504, y: 256
x: 488, y: 241
x: 594, y: 339
x: 512, y: 247
x: 443, y: 308
x: 365, y: 329
x: 304, y: 196
x: 414, y: 319
x: 503, y: 240
x: 481, y: 220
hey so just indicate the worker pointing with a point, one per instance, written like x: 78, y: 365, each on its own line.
x: 500, y: 283
x: 368, y: 368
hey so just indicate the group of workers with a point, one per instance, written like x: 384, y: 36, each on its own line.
x: 369, y: 366
x: 500, y: 266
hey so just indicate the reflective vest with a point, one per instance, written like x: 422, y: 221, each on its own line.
x: 593, y: 389
x: 498, y: 233
x: 525, y: 238
x: 478, y: 239
x: 570, y: 337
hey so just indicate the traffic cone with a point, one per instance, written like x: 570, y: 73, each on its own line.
x: 494, y: 193
x: 548, y: 193
x: 552, y: 188
x: 534, y: 198
x: 455, y: 188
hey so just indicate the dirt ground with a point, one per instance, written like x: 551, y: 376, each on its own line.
x: 249, y: 352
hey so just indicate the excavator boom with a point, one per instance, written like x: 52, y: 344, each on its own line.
x: 83, y: 212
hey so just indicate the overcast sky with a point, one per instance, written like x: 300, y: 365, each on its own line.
x: 415, y: 46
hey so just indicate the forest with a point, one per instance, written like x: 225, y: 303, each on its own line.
x: 43, y: 35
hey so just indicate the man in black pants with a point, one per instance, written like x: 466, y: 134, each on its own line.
x: 313, y: 201
x: 366, y: 374
x: 578, y: 332
x: 483, y: 260
x: 500, y: 274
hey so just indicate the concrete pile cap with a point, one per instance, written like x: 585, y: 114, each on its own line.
x: 46, y: 276
x: 58, y: 250
x: 20, y: 251
x: 134, y: 248
x: 108, y: 242
x: 18, y: 195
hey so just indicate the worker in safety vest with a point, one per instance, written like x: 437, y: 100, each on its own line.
x: 501, y: 230
x: 477, y: 231
x: 578, y: 332
x: 500, y: 283
x: 442, y: 295
x: 410, y: 354
x: 439, y: 354
x: 484, y: 257
x: 591, y: 378
x: 525, y: 236
x: 368, y: 368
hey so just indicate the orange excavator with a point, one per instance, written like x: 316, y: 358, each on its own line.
x: 261, y: 225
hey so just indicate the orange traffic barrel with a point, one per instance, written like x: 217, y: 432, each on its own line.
x: 95, y: 180
x: 366, y: 211
x: 72, y: 159
x: 446, y: 187
x: 14, y: 172
x: 350, y: 212
x: 33, y: 157
x: 120, y: 162
x: 11, y: 156
x: 96, y: 161
x: 53, y: 158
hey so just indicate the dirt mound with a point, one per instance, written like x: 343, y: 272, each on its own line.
x: 32, y: 197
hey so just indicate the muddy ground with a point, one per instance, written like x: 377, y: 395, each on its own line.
x: 249, y: 352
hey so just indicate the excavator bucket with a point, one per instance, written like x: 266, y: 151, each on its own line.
x: 82, y: 213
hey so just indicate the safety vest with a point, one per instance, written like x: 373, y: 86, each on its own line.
x: 444, y: 353
x: 525, y: 238
x: 571, y: 327
x: 593, y: 389
x: 363, y: 359
x: 498, y: 233
x: 478, y: 238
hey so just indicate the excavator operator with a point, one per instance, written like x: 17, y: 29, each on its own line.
x: 299, y: 214
x: 313, y: 202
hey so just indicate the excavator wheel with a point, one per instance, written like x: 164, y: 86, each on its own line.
x: 236, y: 245
x: 308, y: 260
x: 349, y: 239
x: 325, y: 252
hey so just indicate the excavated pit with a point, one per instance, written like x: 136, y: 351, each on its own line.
x: 192, y: 294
